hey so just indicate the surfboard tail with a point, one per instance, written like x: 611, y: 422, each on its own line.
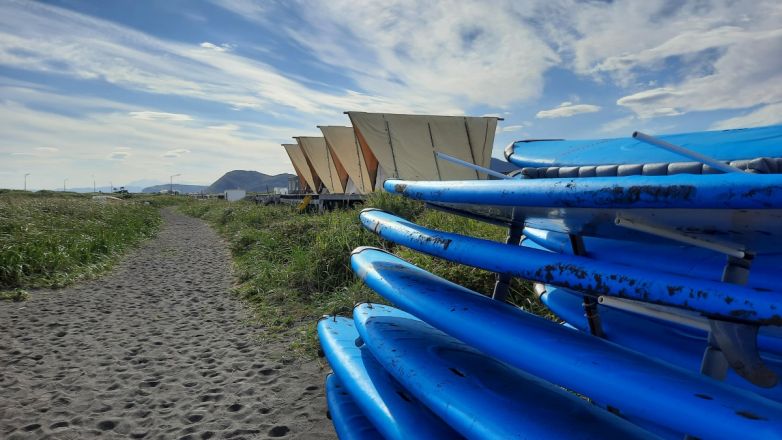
x: 576, y: 361
x: 716, y: 299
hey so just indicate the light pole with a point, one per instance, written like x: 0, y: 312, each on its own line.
x: 171, y: 183
x: 25, y: 181
x: 64, y: 181
x: 94, y: 189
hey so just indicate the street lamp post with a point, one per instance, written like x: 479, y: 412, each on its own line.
x: 25, y: 181
x: 171, y: 183
x: 64, y: 181
x: 94, y: 188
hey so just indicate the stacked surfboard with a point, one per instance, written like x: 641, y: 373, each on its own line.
x: 659, y: 255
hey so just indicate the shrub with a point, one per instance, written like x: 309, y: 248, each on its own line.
x: 294, y: 267
x: 49, y: 241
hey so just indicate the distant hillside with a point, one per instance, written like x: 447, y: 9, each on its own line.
x: 251, y: 181
x: 183, y: 189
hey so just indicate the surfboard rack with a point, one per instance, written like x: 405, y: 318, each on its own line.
x: 645, y: 261
x: 710, y: 161
x: 731, y: 249
x: 514, y: 238
x: 590, y: 303
x: 471, y: 166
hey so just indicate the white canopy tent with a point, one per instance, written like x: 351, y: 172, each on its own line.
x: 307, y: 177
x: 404, y: 145
x: 345, y: 148
x: 323, y: 163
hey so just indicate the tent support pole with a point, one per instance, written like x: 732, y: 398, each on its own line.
x: 434, y: 151
x: 469, y: 144
x: 391, y: 144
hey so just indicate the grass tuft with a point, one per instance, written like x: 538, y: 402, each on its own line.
x: 49, y: 240
x: 15, y: 295
x: 295, y: 267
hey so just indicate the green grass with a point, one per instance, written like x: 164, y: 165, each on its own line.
x: 294, y: 268
x: 52, y: 239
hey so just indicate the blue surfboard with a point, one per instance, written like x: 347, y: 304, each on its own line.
x: 477, y: 395
x: 740, y: 208
x: 349, y: 422
x: 637, y: 385
x: 394, y: 412
x: 676, y: 258
x: 724, y: 145
x: 718, y: 299
x: 663, y: 255
x: 674, y: 343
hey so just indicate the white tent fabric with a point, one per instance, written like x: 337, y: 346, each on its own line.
x: 351, y: 188
x: 302, y: 167
x: 319, y: 156
x: 405, y: 145
x: 344, y: 145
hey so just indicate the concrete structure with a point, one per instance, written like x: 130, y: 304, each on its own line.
x: 233, y: 195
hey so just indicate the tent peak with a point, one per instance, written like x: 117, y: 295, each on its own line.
x: 425, y: 115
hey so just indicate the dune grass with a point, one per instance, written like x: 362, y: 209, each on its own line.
x: 54, y: 239
x: 295, y: 267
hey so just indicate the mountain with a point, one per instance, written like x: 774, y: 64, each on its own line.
x: 182, y: 188
x: 250, y: 181
x: 143, y: 183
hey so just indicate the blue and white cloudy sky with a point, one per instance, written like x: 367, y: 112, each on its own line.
x: 141, y: 89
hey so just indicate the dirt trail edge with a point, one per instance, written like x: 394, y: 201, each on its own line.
x: 158, y: 348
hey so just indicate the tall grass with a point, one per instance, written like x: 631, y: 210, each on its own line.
x: 49, y: 240
x: 295, y: 267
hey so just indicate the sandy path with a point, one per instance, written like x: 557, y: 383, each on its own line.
x: 156, y: 349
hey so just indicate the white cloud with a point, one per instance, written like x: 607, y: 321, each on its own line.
x: 744, y: 76
x: 715, y: 55
x: 228, y: 127
x: 767, y: 115
x: 399, y: 56
x: 604, y: 36
x: 473, y: 52
x: 567, y: 109
x: 45, y: 38
x: 220, y: 48
x: 119, y: 155
x: 85, y: 144
x: 516, y: 127
x: 249, y: 9
x: 152, y: 116
x: 619, y: 127
x: 47, y: 149
x: 176, y: 153
x: 687, y: 42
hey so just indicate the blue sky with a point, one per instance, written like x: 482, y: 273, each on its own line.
x: 128, y: 90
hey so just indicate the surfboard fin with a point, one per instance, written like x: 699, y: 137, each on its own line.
x: 738, y: 343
